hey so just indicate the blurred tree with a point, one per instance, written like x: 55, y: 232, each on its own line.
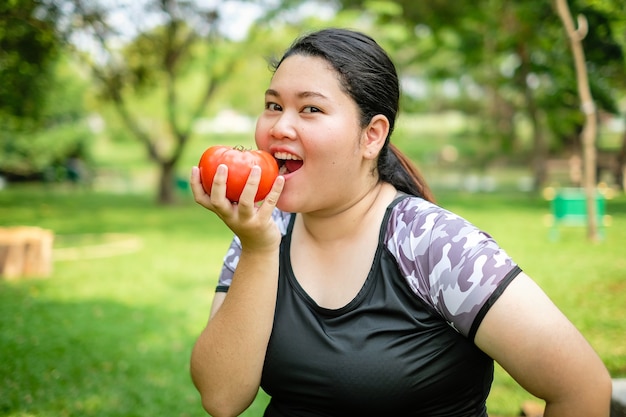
x: 44, y: 147
x: 41, y: 97
x: 133, y: 58
x: 507, y: 57
x: 616, y: 29
x: 28, y: 48
x: 576, y: 36
x: 503, y: 58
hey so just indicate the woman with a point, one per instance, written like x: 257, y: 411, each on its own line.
x: 348, y: 292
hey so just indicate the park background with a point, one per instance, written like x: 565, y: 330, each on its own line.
x: 106, y: 106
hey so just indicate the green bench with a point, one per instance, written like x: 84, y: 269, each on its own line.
x: 182, y: 185
x: 569, y: 208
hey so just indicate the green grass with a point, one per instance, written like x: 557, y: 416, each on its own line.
x: 107, y: 336
x: 111, y: 336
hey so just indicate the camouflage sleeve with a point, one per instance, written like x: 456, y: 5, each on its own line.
x: 231, y: 259
x: 453, y: 266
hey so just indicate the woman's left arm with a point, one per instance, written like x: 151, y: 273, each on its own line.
x: 542, y: 350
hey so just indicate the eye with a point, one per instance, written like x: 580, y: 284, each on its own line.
x: 311, y: 109
x: 273, y: 106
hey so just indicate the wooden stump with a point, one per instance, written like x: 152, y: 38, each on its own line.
x: 25, y: 252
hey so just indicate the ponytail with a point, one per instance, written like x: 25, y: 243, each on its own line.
x: 397, y: 169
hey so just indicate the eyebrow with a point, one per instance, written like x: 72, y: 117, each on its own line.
x: 303, y: 94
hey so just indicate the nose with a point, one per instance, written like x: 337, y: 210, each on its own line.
x: 283, y: 127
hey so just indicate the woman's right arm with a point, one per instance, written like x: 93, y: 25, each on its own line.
x: 227, y: 359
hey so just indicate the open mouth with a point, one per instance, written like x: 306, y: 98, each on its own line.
x: 287, y: 162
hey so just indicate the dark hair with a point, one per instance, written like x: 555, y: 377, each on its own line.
x: 368, y: 75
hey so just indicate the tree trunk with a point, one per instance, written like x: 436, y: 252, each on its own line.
x: 620, y: 177
x: 588, y: 107
x: 167, y: 184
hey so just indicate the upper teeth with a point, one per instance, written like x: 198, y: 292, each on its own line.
x: 286, y: 156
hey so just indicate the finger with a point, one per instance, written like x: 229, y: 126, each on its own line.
x: 194, y: 180
x: 246, y: 200
x: 272, y: 197
x: 218, y: 188
x: 199, y: 194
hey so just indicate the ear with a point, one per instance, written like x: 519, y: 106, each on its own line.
x: 374, y: 136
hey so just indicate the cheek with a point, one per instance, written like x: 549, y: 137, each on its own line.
x: 261, y: 133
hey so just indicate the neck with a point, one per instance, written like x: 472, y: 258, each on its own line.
x: 349, y: 219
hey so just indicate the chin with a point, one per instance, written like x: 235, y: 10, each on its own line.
x: 284, y: 205
x: 289, y: 202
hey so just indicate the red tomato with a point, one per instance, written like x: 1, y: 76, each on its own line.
x: 239, y: 162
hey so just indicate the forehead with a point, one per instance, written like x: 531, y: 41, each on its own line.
x: 299, y: 73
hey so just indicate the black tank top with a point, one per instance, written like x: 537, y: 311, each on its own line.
x: 385, y: 354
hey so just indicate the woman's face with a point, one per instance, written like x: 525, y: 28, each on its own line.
x: 312, y: 127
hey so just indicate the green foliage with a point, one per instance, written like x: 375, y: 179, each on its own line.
x: 160, y: 82
x: 244, y: 89
x: 505, y: 61
x: 43, y: 152
x: 30, y: 147
x: 28, y: 46
x: 459, y: 55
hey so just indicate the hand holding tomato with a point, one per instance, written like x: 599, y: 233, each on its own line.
x: 239, y: 162
x: 251, y: 222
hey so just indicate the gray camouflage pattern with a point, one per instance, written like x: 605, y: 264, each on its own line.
x: 447, y: 262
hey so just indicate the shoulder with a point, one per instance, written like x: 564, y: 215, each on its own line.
x: 447, y: 261
x: 423, y: 223
x: 416, y: 211
x: 428, y: 226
